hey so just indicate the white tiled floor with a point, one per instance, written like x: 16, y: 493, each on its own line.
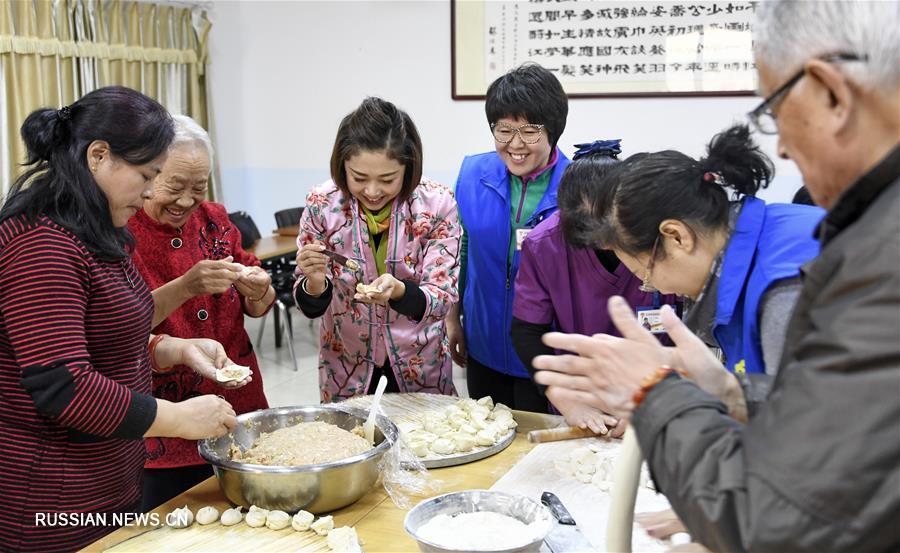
x: 282, y: 384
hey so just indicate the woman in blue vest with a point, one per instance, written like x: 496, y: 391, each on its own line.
x: 736, y: 260
x: 502, y: 195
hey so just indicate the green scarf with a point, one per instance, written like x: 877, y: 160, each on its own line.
x: 378, y: 223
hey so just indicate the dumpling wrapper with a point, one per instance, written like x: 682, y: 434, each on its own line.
x: 232, y: 373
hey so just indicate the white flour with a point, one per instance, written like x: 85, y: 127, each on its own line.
x: 482, y: 531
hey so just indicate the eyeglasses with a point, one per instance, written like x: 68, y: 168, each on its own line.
x: 530, y: 134
x: 762, y: 118
x: 645, y: 282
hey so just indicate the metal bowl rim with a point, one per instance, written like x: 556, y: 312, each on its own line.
x: 461, y: 492
x: 388, y: 428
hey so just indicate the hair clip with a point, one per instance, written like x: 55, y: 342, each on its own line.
x: 709, y: 176
x: 610, y: 148
x: 64, y: 113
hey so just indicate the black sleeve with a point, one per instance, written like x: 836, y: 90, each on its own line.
x: 412, y: 303
x: 526, y: 338
x: 312, y: 306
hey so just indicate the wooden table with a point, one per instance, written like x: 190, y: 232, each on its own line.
x: 378, y: 522
x: 274, y: 246
x: 291, y: 230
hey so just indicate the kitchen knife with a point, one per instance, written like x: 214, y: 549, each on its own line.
x: 342, y: 260
x: 565, y: 537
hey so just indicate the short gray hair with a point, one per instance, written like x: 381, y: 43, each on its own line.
x: 188, y: 131
x: 789, y: 32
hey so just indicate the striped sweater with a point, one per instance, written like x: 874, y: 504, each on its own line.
x: 74, y: 385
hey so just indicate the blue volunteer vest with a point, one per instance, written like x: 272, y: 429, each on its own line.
x: 770, y: 243
x: 482, y: 193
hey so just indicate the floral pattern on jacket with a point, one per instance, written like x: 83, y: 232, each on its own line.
x: 423, y: 246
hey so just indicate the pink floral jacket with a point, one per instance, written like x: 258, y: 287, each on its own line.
x: 423, y: 246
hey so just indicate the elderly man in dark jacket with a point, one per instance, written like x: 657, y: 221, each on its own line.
x: 818, y: 468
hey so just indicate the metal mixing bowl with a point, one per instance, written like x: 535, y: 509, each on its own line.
x: 316, y: 488
x: 523, y: 508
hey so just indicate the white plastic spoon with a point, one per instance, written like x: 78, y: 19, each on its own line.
x: 369, y: 426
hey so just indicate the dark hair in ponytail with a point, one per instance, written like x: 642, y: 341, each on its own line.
x: 651, y: 188
x: 58, y: 183
x: 582, y: 187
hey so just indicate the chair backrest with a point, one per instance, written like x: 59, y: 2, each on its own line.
x: 288, y: 217
x: 244, y: 223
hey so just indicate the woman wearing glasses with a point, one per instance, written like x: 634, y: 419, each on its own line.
x: 669, y: 219
x: 502, y: 195
x: 379, y: 224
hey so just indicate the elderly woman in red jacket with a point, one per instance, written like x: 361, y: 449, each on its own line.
x: 203, y: 283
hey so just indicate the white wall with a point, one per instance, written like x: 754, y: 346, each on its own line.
x: 284, y: 73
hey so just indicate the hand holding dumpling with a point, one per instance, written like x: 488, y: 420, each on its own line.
x: 381, y: 290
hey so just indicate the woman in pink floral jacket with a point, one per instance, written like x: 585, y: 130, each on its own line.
x: 401, y: 234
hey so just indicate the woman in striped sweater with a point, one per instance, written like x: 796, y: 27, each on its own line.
x: 75, y: 317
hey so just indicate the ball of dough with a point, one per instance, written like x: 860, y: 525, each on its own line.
x: 207, y: 515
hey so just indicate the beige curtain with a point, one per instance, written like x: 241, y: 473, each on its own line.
x: 52, y: 52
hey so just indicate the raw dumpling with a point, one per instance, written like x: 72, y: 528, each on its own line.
x: 181, y: 518
x: 256, y: 517
x: 418, y: 447
x: 487, y: 402
x: 230, y: 517
x: 207, y: 515
x: 408, y: 427
x: 323, y: 525
x: 232, y: 373
x: 486, y: 437
x: 443, y: 446
x: 344, y: 540
x: 463, y: 442
x: 302, y: 521
x: 277, y: 520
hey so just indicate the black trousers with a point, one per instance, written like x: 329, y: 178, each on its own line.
x: 385, y: 370
x: 161, y: 485
x: 517, y: 393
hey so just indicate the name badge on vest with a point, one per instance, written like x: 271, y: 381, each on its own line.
x: 650, y: 317
x: 521, y: 233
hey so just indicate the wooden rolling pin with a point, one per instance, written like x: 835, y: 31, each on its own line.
x: 562, y: 433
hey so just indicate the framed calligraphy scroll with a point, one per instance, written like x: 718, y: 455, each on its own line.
x: 607, y: 48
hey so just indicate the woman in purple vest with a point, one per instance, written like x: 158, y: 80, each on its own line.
x: 563, y: 281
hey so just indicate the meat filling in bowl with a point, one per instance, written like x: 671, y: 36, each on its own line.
x: 306, y: 443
